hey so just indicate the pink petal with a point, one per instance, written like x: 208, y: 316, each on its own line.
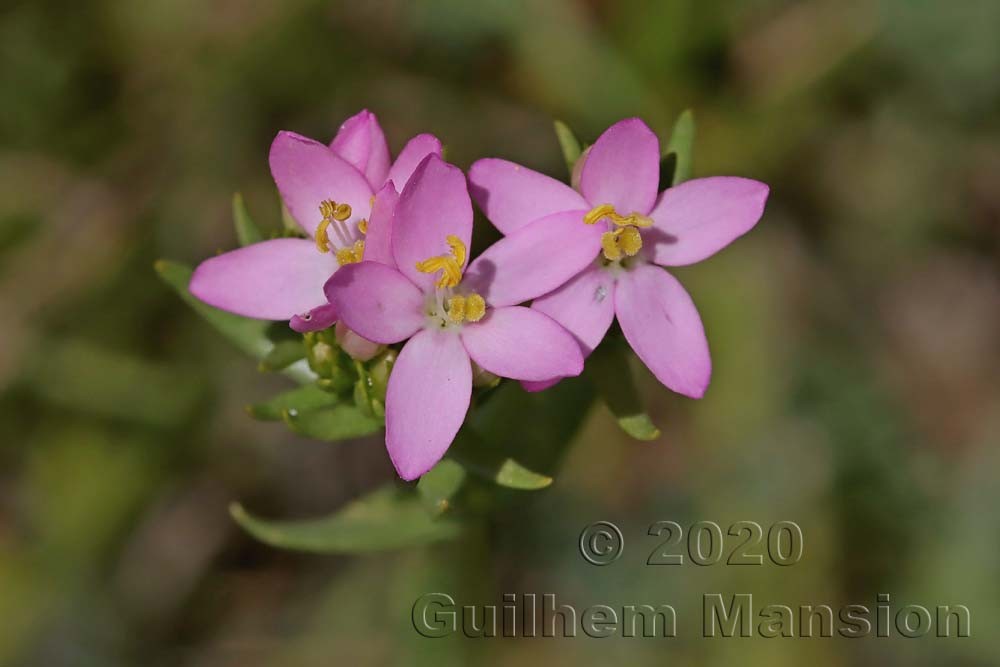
x: 433, y: 205
x: 317, y: 319
x: 427, y: 398
x: 535, y: 387
x: 361, y: 142
x: 623, y: 168
x: 378, y: 240
x: 413, y: 153
x: 585, y: 306
x: 271, y: 280
x: 696, y: 219
x: 523, y: 344
x: 661, y: 324
x: 534, y: 259
x: 376, y: 301
x: 307, y: 172
x: 512, y: 196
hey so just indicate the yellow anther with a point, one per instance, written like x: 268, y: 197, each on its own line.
x: 625, y: 240
x: 331, y: 211
x: 609, y: 244
x: 351, y: 255
x: 599, y: 212
x: 456, y: 309
x: 475, y: 307
x: 342, y: 212
x: 327, y: 208
x: 603, y: 211
x: 450, y: 266
x: 629, y: 240
x: 470, y: 308
x: 363, y: 226
x: 322, y: 240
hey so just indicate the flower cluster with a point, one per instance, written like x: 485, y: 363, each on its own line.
x: 387, y: 260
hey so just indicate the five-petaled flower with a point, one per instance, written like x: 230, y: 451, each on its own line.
x: 596, y: 251
x: 449, y: 315
x: 342, y: 196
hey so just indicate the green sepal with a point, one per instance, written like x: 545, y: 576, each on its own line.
x: 440, y: 484
x: 250, y: 336
x: 388, y: 518
x: 569, y: 144
x: 481, y: 459
x: 678, y: 155
x: 608, y: 369
x: 247, y: 231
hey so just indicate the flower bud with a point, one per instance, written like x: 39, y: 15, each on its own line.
x: 354, y: 345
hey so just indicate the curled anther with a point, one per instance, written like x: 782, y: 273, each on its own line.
x: 607, y: 211
x: 450, y: 266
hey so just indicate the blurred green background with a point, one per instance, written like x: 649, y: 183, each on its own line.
x: 855, y: 332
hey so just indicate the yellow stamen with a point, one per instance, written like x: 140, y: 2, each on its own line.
x: 609, y: 244
x: 450, y: 266
x: 629, y: 240
x: 469, y: 308
x: 626, y: 240
x: 331, y: 211
x: 322, y: 240
x: 363, y: 226
x: 342, y: 212
x: 475, y: 307
x: 603, y: 211
x: 456, y: 309
x: 351, y: 255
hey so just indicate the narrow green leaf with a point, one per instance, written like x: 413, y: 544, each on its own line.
x: 301, y: 399
x: 340, y: 422
x: 678, y: 156
x: 282, y: 355
x: 486, y: 461
x: 247, y: 231
x: 389, y: 518
x: 569, y: 144
x: 608, y: 368
x: 250, y: 336
x: 440, y: 484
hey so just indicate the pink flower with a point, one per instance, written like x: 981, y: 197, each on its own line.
x: 614, y: 272
x: 450, y: 321
x: 333, y: 192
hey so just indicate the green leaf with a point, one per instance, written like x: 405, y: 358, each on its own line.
x: 248, y: 335
x: 389, y: 518
x: 678, y: 156
x: 282, y: 355
x: 246, y: 231
x: 300, y: 400
x: 340, y: 422
x: 482, y: 459
x: 440, y: 484
x: 608, y: 368
x: 569, y: 144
